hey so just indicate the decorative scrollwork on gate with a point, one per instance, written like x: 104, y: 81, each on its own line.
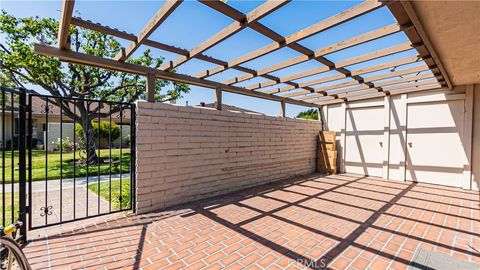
x: 46, y: 109
x: 46, y: 210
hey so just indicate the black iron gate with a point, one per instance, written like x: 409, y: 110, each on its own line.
x: 69, y: 158
x: 13, y: 199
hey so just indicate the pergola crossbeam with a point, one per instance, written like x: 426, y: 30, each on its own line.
x: 64, y: 25
x: 338, y: 89
x: 355, y: 89
x: 291, y: 40
x: 332, y: 88
x: 169, y: 48
x: 111, y: 64
x: 370, y: 36
x: 235, y: 27
x: 160, y: 16
x: 356, y: 60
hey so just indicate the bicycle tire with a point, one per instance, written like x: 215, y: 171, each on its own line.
x: 17, y: 252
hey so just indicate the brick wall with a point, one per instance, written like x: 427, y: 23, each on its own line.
x: 186, y: 153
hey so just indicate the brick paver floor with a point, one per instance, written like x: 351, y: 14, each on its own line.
x: 343, y: 221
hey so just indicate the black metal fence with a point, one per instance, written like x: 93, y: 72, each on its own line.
x: 65, y: 159
x: 13, y: 202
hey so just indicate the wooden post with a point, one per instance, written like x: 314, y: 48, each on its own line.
x: 150, y: 88
x: 320, y: 117
x: 218, y: 95
x: 282, y: 108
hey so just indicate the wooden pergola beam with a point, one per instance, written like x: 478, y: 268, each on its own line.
x: 160, y: 16
x: 427, y: 80
x: 169, y: 48
x: 433, y: 87
x: 367, y: 37
x: 353, y: 93
x: 420, y: 68
x: 337, y: 89
x: 291, y: 40
x: 281, y: 42
x: 362, y: 87
x: 390, y: 64
x: 230, y: 30
x: 315, y: 71
x: 352, y: 61
x: 332, y: 88
x: 64, y: 25
x: 110, y: 64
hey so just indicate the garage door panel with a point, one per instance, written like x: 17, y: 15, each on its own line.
x: 364, y: 136
x: 435, y: 151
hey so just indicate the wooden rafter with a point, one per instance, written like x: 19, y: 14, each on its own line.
x: 417, y: 81
x: 169, y: 48
x: 356, y: 89
x: 339, y: 88
x: 162, y: 14
x: 291, y: 40
x: 111, y: 64
x: 370, y: 36
x: 64, y: 25
x: 341, y: 76
x: 359, y: 91
x: 432, y: 87
x: 235, y: 27
x: 352, y: 61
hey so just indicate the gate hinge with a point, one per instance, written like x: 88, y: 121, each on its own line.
x: 27, y: 209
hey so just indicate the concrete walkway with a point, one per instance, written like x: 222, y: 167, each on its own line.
x: 67, y: 183
x: 67, y: 199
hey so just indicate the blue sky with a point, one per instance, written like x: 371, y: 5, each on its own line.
x: 194, y: 22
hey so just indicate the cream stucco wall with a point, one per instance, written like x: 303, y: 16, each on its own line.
x: 395, y: 142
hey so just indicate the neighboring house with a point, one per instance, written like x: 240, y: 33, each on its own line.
x: 41, y: 123
x: 226, y: 107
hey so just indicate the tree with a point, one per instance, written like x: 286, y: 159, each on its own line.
x: 309, y: 114
x: 20, y: 66
x: 104, y: 131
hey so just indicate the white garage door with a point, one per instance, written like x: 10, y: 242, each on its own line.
x: 435, y: 152
x: 364, y: 141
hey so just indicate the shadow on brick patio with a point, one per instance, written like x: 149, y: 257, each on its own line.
x: 340, y: 221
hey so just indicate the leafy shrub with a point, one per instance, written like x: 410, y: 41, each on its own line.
x: 101, y: 130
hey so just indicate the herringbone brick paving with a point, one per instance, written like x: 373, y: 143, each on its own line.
x: 340, y: 221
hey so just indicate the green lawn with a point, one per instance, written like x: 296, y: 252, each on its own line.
x: 8, y: 208
x: 105, y: 192
x: 39, y: 159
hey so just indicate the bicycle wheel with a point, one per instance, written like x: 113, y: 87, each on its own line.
x: 12, y: 256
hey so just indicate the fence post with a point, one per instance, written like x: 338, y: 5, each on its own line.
x: 133, y: 154
x: 22, y: 164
